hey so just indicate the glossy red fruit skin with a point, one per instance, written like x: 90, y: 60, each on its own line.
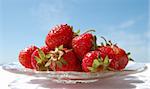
x: 82, y: 44
x: 25, y: 56
x: 73, y: 64
x: 45, y: 49
x: 118, y: 57
x: 59, y: 35
x: 88, y: 59
x: 121, y: 59
x: 106, y: 51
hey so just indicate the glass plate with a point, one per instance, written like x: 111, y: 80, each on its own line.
x: 74, y: 77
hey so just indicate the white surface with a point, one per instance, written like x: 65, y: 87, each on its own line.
x: 134, y: 81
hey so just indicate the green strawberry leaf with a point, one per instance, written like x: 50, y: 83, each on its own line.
x: 96, y: 63
x: 100, y: 59
x: 41, y: 66
x: 38, y: 60
x: 78, y: 32
x: 41, y: 54
x: 48, y: 63
x: 91, y: 69
x: 59, y: 64
x: 63, y: 61
x: 60, y: 47
x: 48, y: 56
x: 106, y: 60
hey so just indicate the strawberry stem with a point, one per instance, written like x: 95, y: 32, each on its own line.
x: 104, y: 40
x: 90, y: 31
x: 102, y: 44
x: 94, y: 43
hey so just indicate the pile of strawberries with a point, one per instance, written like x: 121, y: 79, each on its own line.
x: 66, y: 50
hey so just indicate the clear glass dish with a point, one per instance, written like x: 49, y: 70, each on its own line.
x: 74, y: 77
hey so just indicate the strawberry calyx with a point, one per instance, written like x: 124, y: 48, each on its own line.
x: 77, y: 33
x: 41, y: 61
x: 129, y: 56
x: 55, y: 58
x: 107, y: 43
x: 100, y: 64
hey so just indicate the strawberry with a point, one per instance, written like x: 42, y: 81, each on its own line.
x: 63, y: 59
x: 59, y: 35
x: 82, y: 44
x: 92, y: 62
x: 25, y: 56
x: 39, y: 58
x: 117, y: 56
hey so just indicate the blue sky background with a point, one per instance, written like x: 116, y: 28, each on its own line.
x: 26, y: 22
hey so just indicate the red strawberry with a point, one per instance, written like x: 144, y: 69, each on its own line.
x: 118, y: 57
x: 63, y: 59
x: 93, y: 63
x: 25, y: 56
x: 39, y: 59
x: 82, y: 44
x: 59, y: 35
